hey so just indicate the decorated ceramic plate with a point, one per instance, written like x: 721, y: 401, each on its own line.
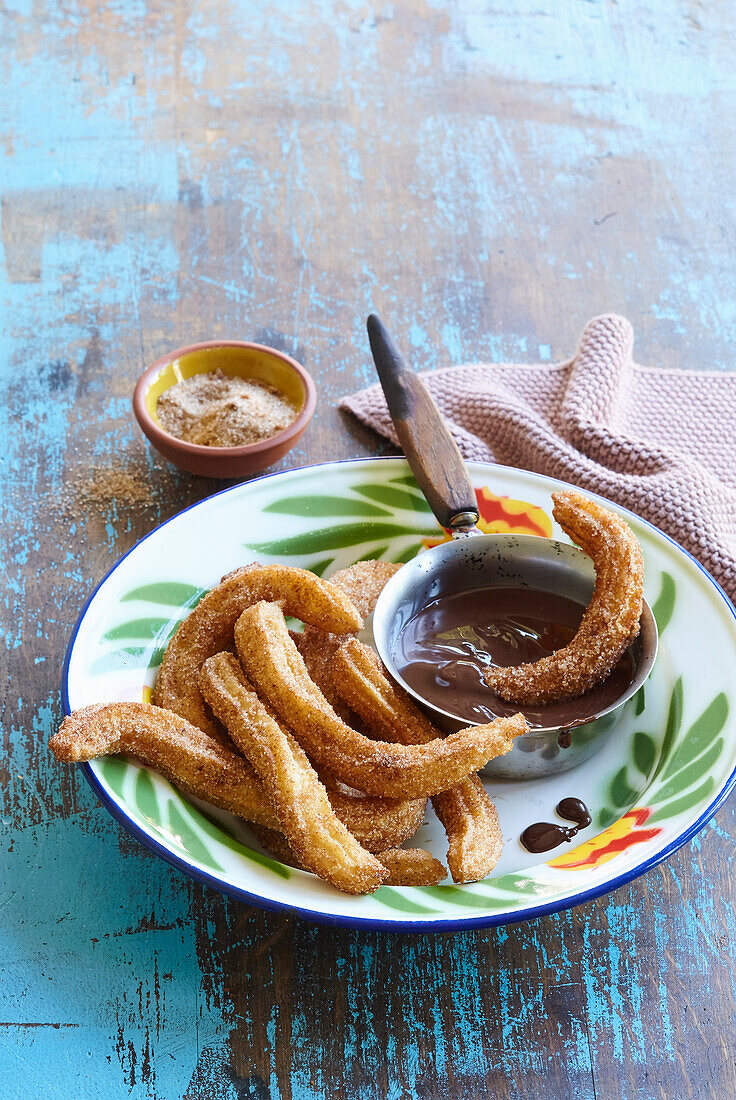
x: 657, y: 780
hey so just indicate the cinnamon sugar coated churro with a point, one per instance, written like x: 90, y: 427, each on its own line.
x: 378, y: 823
x: 209, y: 628
x: 318, y: 650
x: 276, y: 845
x: 321, y: 842
x: 272, y: 661
x: 200, y: 766
x: 468, y: 815
x: 610, y: 622
x: 412, y: 867
x: 184, y: 754
x: 362, y: 583
x: 405, y: 866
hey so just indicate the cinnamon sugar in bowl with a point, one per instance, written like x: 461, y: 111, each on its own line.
x: 252, y: 392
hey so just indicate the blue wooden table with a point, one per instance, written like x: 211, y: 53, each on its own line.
x: 488, y: 177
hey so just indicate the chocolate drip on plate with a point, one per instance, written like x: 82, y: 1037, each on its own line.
x: 543, y: 836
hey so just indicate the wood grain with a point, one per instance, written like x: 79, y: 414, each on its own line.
x: 433, y: 455
x: 487, y: 178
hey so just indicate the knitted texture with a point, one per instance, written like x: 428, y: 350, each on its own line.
x: 660, y: 442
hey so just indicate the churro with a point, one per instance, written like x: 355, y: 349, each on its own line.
x: 362, y: 583
x: 610, y: 622
x: 468, y: 815
x: 318, y: 651
x: 412, y: 867
x: 321, y: 842
x: 377, y: 822
x: 406, y: 866
x: 276, y: 845
x: 272, y: 662
x: 208, y: 629
x: 470, y: 820
x: 191, y: 759
x: 200, y: 766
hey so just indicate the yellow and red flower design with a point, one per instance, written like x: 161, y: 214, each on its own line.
x: 623, y: 834
x: 500, y: 515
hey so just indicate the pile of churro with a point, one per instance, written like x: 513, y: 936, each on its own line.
x: 304, y: 736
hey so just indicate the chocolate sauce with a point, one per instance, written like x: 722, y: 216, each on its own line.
x: 445, y: 647
x: 543, y: 836
x: 574, y: 809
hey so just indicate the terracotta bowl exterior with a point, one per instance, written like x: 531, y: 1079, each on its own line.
x: 254, y: 361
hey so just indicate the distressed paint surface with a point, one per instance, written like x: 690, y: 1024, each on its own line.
x: 488, y: 177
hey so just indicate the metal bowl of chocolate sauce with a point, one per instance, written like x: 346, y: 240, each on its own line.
x: 503, y: 599
x: 483, y: 599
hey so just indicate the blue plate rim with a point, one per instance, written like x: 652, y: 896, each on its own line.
x: 454, y: 924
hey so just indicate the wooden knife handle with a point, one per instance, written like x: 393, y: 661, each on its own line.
x: 430, y: 450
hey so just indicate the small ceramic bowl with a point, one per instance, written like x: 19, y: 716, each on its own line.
x: 254, y: 361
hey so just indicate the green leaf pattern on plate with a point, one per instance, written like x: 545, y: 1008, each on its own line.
x: 664, y: 605
x: 394, y: 535
x: 381, y: 523
x: 682, y: 777
x: 324, y: 506
x: 165, y: 812
x: 684, y: 770
x: 490, y: 895
x: 167, y: 593
x: 146, y: 636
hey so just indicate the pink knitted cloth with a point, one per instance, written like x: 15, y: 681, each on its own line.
x: 660, y: 442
